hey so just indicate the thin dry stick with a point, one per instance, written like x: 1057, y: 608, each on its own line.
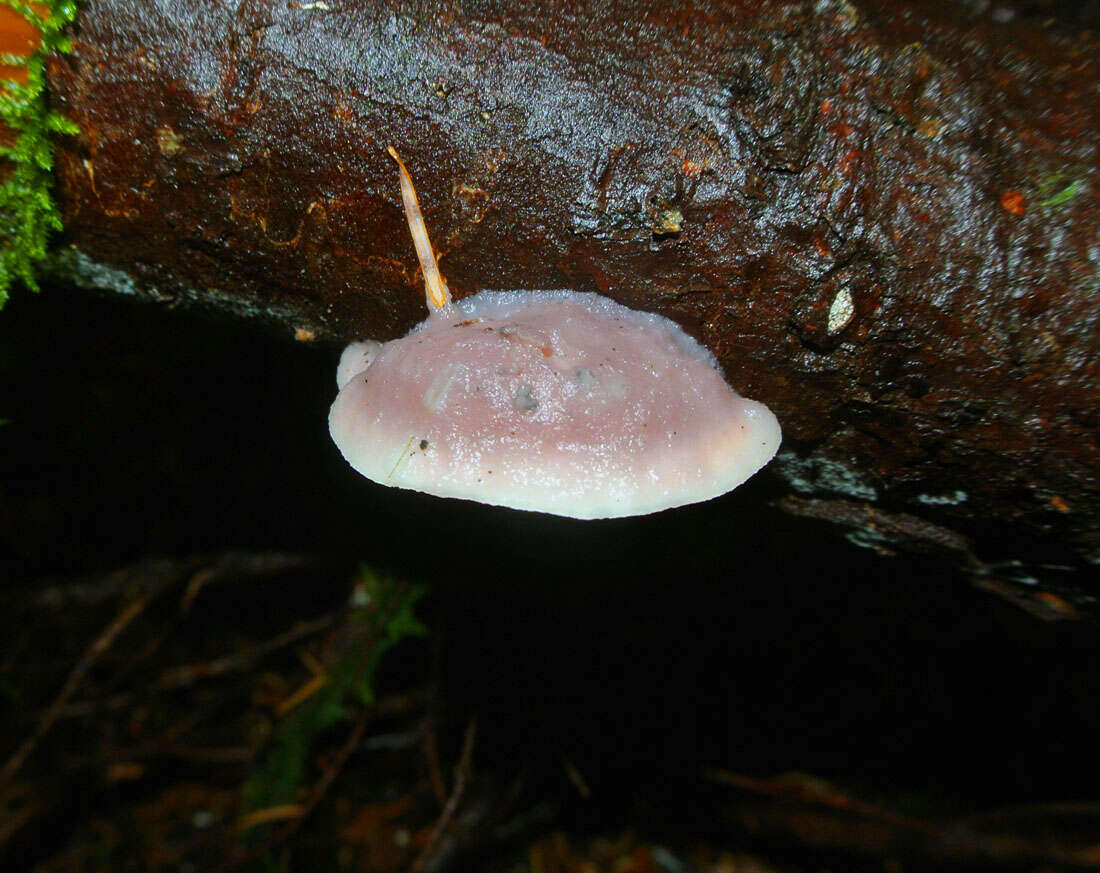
x: 462, y: 773
x: 94, y: 652
x: 431, y: 752
x: 331, y: 772
x: 188, y: 674
x: 828, y: 798
x: 178, y: 677
x: 952, y: 841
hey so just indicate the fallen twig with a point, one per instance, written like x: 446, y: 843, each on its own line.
x: 946, y: 841
x: 94, y: 652
x: 177, y: 677
x: 462, y: 773
x: 807, y: 790
x: 431, y: 752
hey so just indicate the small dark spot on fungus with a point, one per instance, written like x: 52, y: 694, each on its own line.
x: 585, y: 378
x: 423, y: 445
x: 525, y: 400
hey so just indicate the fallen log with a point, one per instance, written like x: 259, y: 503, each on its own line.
x: 882, y: 218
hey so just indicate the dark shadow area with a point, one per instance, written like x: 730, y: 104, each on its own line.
x: 630, y: 657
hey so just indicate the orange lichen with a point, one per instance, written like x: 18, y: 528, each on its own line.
x: 1013, y: 202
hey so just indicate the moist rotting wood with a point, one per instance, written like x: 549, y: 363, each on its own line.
x: 742, y: 168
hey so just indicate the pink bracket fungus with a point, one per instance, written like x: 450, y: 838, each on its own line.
x: 552, y: 401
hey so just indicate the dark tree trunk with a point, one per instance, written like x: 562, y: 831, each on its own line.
x: 881, y: 217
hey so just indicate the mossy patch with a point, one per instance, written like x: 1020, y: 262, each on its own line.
x: 28, y: 213
x: 381, y: 616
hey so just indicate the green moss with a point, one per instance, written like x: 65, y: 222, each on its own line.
x: 381, y: 616
x: 27, y: 211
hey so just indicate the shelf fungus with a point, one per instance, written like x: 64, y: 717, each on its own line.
x: 552, y: 401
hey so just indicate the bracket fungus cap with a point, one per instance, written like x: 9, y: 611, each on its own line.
x: 554, y: 401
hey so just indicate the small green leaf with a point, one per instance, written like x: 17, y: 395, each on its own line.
x: 1063, y: 196
x: 58, y: 123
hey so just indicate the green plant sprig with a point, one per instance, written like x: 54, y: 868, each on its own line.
x: 380, y: 617
x: 28, y: 213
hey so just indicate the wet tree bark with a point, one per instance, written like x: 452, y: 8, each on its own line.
x: 882, y: 218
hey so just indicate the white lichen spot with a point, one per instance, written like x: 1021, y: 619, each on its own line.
x: 1014, y: 570
x: 814, y: 475
x: 953, y: 499
x: 841, y: 311
x: 869, y: 538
